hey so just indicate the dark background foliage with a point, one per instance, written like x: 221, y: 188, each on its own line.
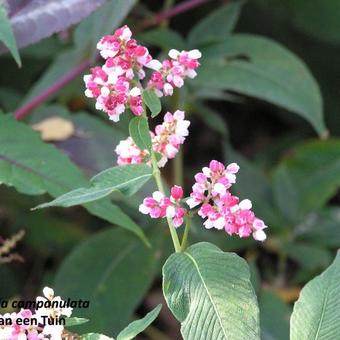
x: 289, y: 159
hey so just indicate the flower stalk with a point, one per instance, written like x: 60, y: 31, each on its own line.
x: 186, y: 233
x: 157, y: 176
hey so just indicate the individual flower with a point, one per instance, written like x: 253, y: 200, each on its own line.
x: 160, y: 206
x: 219, y: 207
x: 172, y: 72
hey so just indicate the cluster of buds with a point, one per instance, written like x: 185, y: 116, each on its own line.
x: 160, y: 206
x: 116, y: 85
x: 172, y: 72
x: 166, y: 141
x: 221, y: 209
x: 35, y: 326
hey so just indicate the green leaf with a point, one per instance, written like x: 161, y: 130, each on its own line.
x: 164, y: 38
x: 316, y: 314
x: 7, y: 36
x: 95, y: 336
x: 127, y: 179
x: 307, y: 255
x: 285, y: 194
x: 328, y: 235
x: 152, y: 102
x: 75, y: 321
x: 210, y: 293
x: 274, y: 317
x: 138, y: 326
x: 34, y: 168
x: 102, y: 22
x: 317, y: 19
x: 212, y: 118
x: 314, y: 168
x: 115, y: 270
x: 140, y: 132
x: 259, y: 67
x: 216, y: 26
x: 64, y: 63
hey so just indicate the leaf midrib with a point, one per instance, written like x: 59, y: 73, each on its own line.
x: 207, y: 290
x: 251, y: 68
x: 33, y: 171
x: 116, y: 261
x: 322, y: 312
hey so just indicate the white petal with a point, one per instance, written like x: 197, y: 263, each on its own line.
x: 162, y: 162
x: 168, y: 89
x: 174, y: 54
x: 104, y: 91
x: 114, y: 118
x: 191, y: 202
x: 48, y: 293
x: 157, y: 195
x: 88, y: 93
x: 245, y: 204
x: 234, y: 208
x: 208, y: 224
x: 171, y: 151
x: 220, y: 188
x: 191, y: 73
x: 195, y: 54
x: 87, y: 78
x: 259, y: 235
x: 219, y: 223
x: 154, y: 64
x: 135, y: 92
x: 170, y: 211
x: 206, y: 171
x: 233, y: 168
x: 144, y: 209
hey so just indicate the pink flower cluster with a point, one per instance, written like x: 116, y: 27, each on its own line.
x: 111, y: 85
x: 166, y: 141
x: 172, y: 72
x: 116, y: 85
x: 36, y: 329
x: 160, y: 206
x: 222, y: 209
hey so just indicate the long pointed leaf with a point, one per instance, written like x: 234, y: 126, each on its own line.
x: 210, y: 293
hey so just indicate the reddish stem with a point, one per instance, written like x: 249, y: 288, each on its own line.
x: 58, y: 85
x: 73, y: 74
x: 174, y: 11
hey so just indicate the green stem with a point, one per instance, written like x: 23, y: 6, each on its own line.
x: 178, y: 168
x: 167, y: 5
x: 186, y: 233
x: 157, y: 175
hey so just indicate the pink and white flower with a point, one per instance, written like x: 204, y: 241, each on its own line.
x: 166, y: 141
x: 160, y: 206
x: 219, y: 207
x: 172, y: 72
